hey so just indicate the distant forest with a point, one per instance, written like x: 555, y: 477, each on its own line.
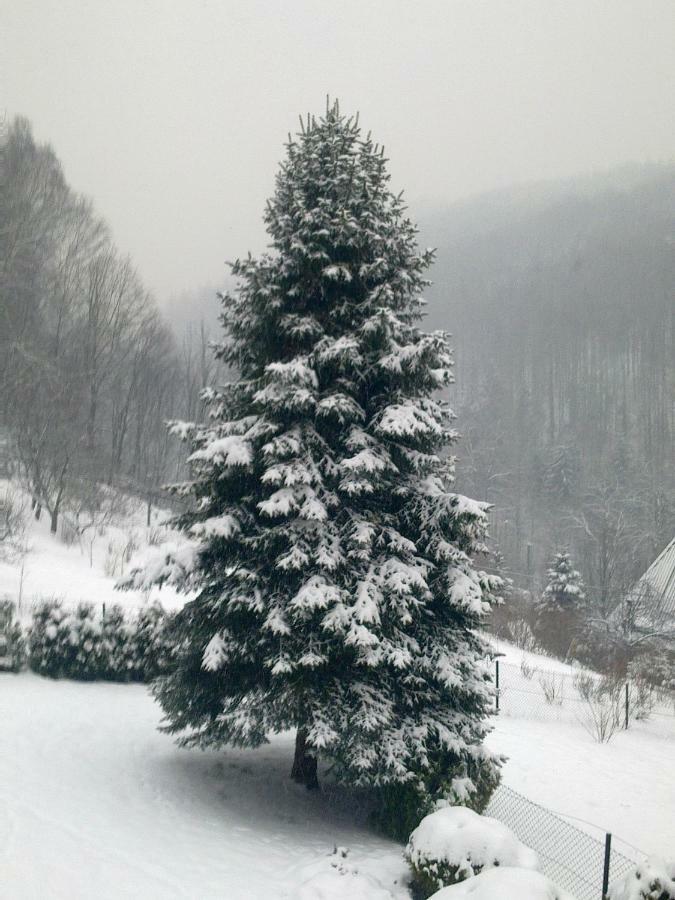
x: 561, y: 301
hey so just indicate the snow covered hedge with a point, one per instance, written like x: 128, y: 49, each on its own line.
x: 86, y: 645
x: 652, y: 879
x: 12, y: 644
x: 455, y: 843
x: 505, y: 884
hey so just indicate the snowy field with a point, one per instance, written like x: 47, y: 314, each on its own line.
x: 97, y: 804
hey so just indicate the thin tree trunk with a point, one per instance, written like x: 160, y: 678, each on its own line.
x: 304, y: 764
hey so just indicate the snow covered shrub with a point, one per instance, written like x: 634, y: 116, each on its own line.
x: 400, y: 806
x: 604, y: 705
x: 336, y: 876
x: 641, y: 698
x: 87, y: 658
x: 653, y: 879
x: 12, y: 644
x: 117, y: 663
x: 653, y: 673
x: 151, y: 642
x: 65, y: 643
x: 553, y: 687
x: 504, y: 884
x: 82, y: 645
x: 455, y: 843
x: 49, y: 645
x: 526, y: 669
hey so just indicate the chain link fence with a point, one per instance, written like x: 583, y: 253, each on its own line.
x: 530, y: 692
x: 572, y: 858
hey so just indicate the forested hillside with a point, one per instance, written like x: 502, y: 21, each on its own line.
x: 90, y: 369
x: 561, y: 300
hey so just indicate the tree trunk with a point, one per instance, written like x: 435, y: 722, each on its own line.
x: 54, y: 521
x: 304, y: 764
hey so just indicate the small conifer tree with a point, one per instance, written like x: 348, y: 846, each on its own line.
x: 561, y: 606
x: 336, y: 588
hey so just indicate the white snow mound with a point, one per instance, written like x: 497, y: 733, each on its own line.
x: 505, y: 884
x: 457, y: 836
x: 654, y: 878
x: 336, y: 877
x: 336, y: 885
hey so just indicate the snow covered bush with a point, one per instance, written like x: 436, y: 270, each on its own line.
x: 117, y: 662
x: 50, y: 649
x: 653, y: 879
x: 333, y: 563
x: 12, y: 643
x: 64, y: 643
x: 151, y: 642
x: 85, y: 645
x: 336, y: 877
x: 604, y: 708
x: 504, y: 884
x: 400, y: 806
x: 87, y: 659
x: 552, y: 686
x: 455, y: 843
x: 653, y: 673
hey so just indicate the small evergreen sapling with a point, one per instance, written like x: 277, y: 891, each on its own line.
x: 561, y: 606
x: 333, y: 562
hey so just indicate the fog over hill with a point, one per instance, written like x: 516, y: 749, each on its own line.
x: 560, y: 298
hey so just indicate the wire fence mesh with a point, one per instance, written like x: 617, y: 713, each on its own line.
x: 531, y: 692
x: 571, y: 857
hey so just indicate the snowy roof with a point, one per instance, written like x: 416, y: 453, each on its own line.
x: 656, y: 588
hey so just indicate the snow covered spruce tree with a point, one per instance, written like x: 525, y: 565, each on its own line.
x: 561, y: 606
x: 336, y: 589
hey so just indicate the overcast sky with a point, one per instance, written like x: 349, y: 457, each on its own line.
x: 172, y: 114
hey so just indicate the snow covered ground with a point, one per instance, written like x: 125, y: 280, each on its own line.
x: 83, y: 571
x: 625, y: 786
x: 95, y: 803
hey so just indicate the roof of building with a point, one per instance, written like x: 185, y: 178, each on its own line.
x: 656, y: 589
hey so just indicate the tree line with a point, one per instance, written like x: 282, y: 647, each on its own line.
x: 90, y: 370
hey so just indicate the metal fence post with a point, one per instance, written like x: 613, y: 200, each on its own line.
x: 627, y: 702
x: 497, y: 685
x: 605, y: 874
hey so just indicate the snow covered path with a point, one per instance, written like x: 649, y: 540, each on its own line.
x: 97, y: 804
